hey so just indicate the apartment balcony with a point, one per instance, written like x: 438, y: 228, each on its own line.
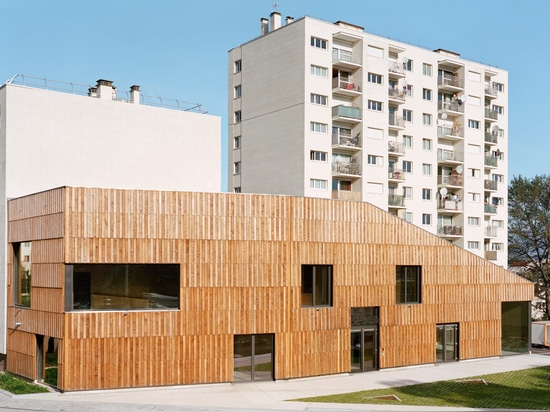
x: 449, y: 231
x: 449, y: 181
x: 490, y: 93
x: 347, y: 87
x: 396, y: 122
x: 396, y: 70
x: 490, y: 209
x: 352, y: 169
x: 396, y: 175
x: 449, y: 206
x: 396, y: 149
x: 450, y: 83
x: 396, y: 201
x: 491, y: 161
x: 491, y: 138
x: 490, y: 231
x: 346, y: 141
x: 491, y: 185
x: 450, y: 108
x: 451, y: 157
x: 346, y: 195
x: 396, y: 95
x: 346, y: 59
x: 490, y: 115
x: 491, y: 254
x: 452, y: 134
x: 347, y: 114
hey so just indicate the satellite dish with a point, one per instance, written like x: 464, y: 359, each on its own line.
x: 462, y: 98
x: 443, y: 191
x: 444, y: 116
x: 459, y: 169
x: 495, y: 129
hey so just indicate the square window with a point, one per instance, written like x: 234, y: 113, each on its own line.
x: 237, y: 142
x: 318, y: 43
x: 408, y: 217
x: 427, y: 69
x: 473, y: 221
x: 407, y: 141
x: 318, y: 184
x: 426, y: 119
x: 374, y: 105
x: 238, y: 65
x: 237, y: 168
x: 426, y: 94
x: 238, y: 116
x: 408, y: 284
x: 318, y: 156
x: 316, y: 285
x: 426, y: 219
x: 408, y: 65
x: 319, y: 99
x: 427, y: 144
x: 407, y: 166
x: 407, y: 192
x: 237, y: 91
x: 319, y: 71
x: 407, y: 115
x: 473, y: 124
x: 374, y: 78
x: 426, y: 194
x: 426, y: 169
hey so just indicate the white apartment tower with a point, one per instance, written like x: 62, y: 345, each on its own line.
x: 321, y: 109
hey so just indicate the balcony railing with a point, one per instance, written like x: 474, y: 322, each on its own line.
x: 491, y: 137
x: 449, y: 131
x: 491, y: 114
x: 490, y: 231
x: 346, y: 111
x: 396, y: 200
x: 396, y: 68
x: 447, y: 80
x: 349, y: 85
x: 396, y: 174
x: 346, y: 56
x: 450, y: 204
x: 449, y: 180
x: 490, y: 209
x: 396, y: 93
x: 449, y: 155
x: 397, y: 148
x: 340, y: 168
x: 346, y: 195
x: 491, y: 254
x: 491, y: 161
x: 490, y: 91
x: 449, y: 230
x: 452, y: 106
x: 344, y: 139
x: 397, y: 121
x: 491, y: 184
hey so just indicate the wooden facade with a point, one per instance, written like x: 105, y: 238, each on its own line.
x: 240, y: 260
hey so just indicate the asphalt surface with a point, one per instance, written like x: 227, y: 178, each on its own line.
x: 269, y: 396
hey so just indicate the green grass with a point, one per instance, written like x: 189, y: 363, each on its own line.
x: 17, y: 386
x: 523, y: 389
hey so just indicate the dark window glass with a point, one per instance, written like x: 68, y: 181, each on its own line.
x: 408, y: 284
x: 22, y: 263
x: 316, y: 285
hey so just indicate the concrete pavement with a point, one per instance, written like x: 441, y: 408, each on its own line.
x: 268, y: 396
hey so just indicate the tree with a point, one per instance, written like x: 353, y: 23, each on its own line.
x: 529, y: 232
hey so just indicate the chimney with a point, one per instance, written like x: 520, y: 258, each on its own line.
x: 105, y: 89
x: 265, y: 26
x: 92, y: 92
x: 275, y: 20
x: 134, y: 94
x: 289, y: 20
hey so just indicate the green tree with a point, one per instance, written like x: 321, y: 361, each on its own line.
x: 529, y: 232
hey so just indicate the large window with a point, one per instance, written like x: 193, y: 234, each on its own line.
x: 515, y: 327
x: 316, y: 285
x: 122, y: 286
x: 319, y: 43
x: 22, y: 262
x: 408, y: 284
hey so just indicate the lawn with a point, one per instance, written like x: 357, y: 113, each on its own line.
x: 523, y: 389
x: 10, y: 383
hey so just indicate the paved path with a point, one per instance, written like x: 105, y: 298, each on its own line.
x: 267, y: 396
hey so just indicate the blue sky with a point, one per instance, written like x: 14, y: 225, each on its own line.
x: 178, y: 49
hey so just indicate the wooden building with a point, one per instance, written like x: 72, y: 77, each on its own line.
x: 127, y: 288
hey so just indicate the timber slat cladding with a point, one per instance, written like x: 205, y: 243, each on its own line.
x: 240, y: 261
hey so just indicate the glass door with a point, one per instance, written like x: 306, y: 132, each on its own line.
x: 364, y: 350
x: 446, y: 345
x: 253, y: 357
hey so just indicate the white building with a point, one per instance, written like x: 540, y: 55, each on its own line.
x: 55, y: 134
x: 326, y: 110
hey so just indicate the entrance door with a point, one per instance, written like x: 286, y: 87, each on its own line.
x: 253, y: 357
x: 446, y: 345
x: 364, y: 350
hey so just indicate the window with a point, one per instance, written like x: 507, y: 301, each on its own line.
x: 408, y: 217
x: 238, y: 116
x: 500, y: 132
x: 408, y: 65
x: 319, y: 71
x: 319, y: 43
x: 426, y: 194
x: 237, y: 66
x: 237, y: 168
x: 237, y: 91
x: 475, y: 173
x: 473, y: 124
x: 377, y: 134
x: 374, y: 105
x: 237, y: 189
x: 375, y: 188
x: 473, y: 148
x: 341, y: 185
x: 497, y: 246
x: 237, y: 142
x: 473, y: 197
x: 427, y: 144
x: 407, y: 166
x: 427, y: 69
x: 498, y: 87
x: 474, y: 76
x: 318, y: 127
x: 498, y: 109
x: 375, y: 51
x: 319, y: 99
x: 474, y: 100
x: 426, y: 169
x: 375, y: 78
x: 122, y: 286
x: 426, y: 94
x: 498, y: 178
x: 316, y: 285
x: 407, y: 141
x: 498, y: 201
x: 499, y: 224
x: 319, y: 156
x: 426, y: 119
x: 318, y: 184
x: 407, y: 192
x: 407, y: 115
x: 22, y: 265
x: 473, y: 245
x: 473, y: 221
x: 408, y: 284
x: 426, y: 219
x: 374, y: 160
x: 408, y: 89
